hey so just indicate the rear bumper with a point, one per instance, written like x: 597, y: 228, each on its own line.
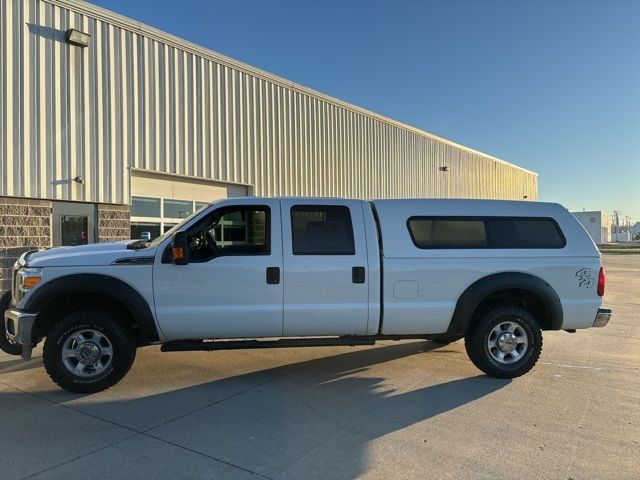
x: 602, y: 317
x: 19, y: 325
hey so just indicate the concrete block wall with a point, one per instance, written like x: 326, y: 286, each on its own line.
x: 24, y: 224
x: 114, y: 222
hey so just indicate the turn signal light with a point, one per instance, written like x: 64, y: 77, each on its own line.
x: 178, y: 253
x: 601, y: 282
x: 30, y: 282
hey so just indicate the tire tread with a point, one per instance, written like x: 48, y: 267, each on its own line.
x: 103, y: 319
x: 474, y: 342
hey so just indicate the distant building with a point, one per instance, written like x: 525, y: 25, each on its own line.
x: 597, y: 224
x: 621, y: 236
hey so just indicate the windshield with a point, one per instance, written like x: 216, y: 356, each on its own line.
x: 158, y: 240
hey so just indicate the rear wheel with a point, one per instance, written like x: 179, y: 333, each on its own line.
x: 7, y: 345
x: 505, y: 342
x: 88, y: 351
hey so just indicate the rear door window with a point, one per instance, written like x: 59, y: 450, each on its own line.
x: 322, y: 230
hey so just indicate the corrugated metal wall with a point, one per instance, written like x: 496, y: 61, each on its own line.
x: 139, y: 98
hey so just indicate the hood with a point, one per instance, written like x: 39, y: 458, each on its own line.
x: 85, y: 255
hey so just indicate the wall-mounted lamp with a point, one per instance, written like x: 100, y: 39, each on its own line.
x: 444, y: 168
x: 68, y: 181
x: 78, y: 38
x: 525, y: 196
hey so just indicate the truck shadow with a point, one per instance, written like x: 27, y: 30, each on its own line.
x: 312, y: 419
x: 19, y: 365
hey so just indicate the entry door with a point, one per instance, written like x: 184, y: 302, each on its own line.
x: 73, y: 223
x: 325, y: 267
x: 231, y: 289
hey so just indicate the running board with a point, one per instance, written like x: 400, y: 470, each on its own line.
x: 352, y: 341
x: 199, y: 345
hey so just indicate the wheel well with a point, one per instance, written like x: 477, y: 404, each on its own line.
x: 74, y: 301
x: 525, y: 299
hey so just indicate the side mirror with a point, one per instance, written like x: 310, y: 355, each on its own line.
x: 180, y: 248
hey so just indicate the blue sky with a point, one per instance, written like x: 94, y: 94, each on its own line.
x: 552, y: 86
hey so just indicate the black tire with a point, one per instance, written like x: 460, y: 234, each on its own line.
x: 6, y: 345
x: 477, y: 339
x: 444, y: 339
x: 103, y: 321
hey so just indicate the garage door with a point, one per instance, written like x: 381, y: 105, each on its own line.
x: 159, y: 201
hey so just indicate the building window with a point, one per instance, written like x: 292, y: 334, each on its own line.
x: 177, y: 208
x: 138, y: 228
x: 157, y: 215
x: 490, y: 232
x: 167, y: 226
x: 145, y: 207
x: 321, y: 230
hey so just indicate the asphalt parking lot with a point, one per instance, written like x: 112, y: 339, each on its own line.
x: 396, y: 410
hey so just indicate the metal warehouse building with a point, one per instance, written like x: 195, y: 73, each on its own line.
x: 129, y: 129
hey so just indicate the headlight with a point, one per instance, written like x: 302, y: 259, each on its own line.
x: 26, y: 279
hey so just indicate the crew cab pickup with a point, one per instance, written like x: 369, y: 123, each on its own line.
x: 288, y: 272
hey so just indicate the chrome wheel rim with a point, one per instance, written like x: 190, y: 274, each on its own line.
x: 87, y: 353
x: 507, y: 342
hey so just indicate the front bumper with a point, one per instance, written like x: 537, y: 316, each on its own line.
x: 602, y: 317
x: 19, y: 325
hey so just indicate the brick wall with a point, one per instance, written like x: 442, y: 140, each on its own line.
x: 113, y: 222
x: 24, y: 224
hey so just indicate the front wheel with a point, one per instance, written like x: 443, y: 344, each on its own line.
x: 88, y: 351
x: 505, y: 342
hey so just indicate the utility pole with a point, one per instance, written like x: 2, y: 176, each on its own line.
x: 616, y: 216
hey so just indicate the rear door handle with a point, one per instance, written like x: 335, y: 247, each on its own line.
x: 357, y: 275
x: 273, y: 275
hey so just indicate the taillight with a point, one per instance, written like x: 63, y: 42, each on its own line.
x: 601, y: 281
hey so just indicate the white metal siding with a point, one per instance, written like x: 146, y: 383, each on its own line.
x: 139, y: 98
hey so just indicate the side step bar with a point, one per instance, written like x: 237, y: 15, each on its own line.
x: 200, y: 345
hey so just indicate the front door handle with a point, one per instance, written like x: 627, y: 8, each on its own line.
x: 357, y: 275
x: 273, y: 275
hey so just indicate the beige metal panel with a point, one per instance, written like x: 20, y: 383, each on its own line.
x: 139, y: 98
x: 153, y: 184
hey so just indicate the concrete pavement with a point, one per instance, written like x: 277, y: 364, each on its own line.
x: 396, y: 410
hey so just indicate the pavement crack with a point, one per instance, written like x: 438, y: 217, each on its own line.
x: 135, y: 432
x: 80, y: 456
x: 217, y: 402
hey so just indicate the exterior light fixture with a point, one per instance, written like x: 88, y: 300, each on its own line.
x: 79, y: 180
x: 525, y: 196
x: 444, y: 168
x: 78, y: 38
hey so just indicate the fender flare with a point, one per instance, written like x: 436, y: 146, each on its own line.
x: 482, y: 288
x: 104, y: 285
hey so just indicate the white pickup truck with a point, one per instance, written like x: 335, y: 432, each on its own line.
x: 287, y: 272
